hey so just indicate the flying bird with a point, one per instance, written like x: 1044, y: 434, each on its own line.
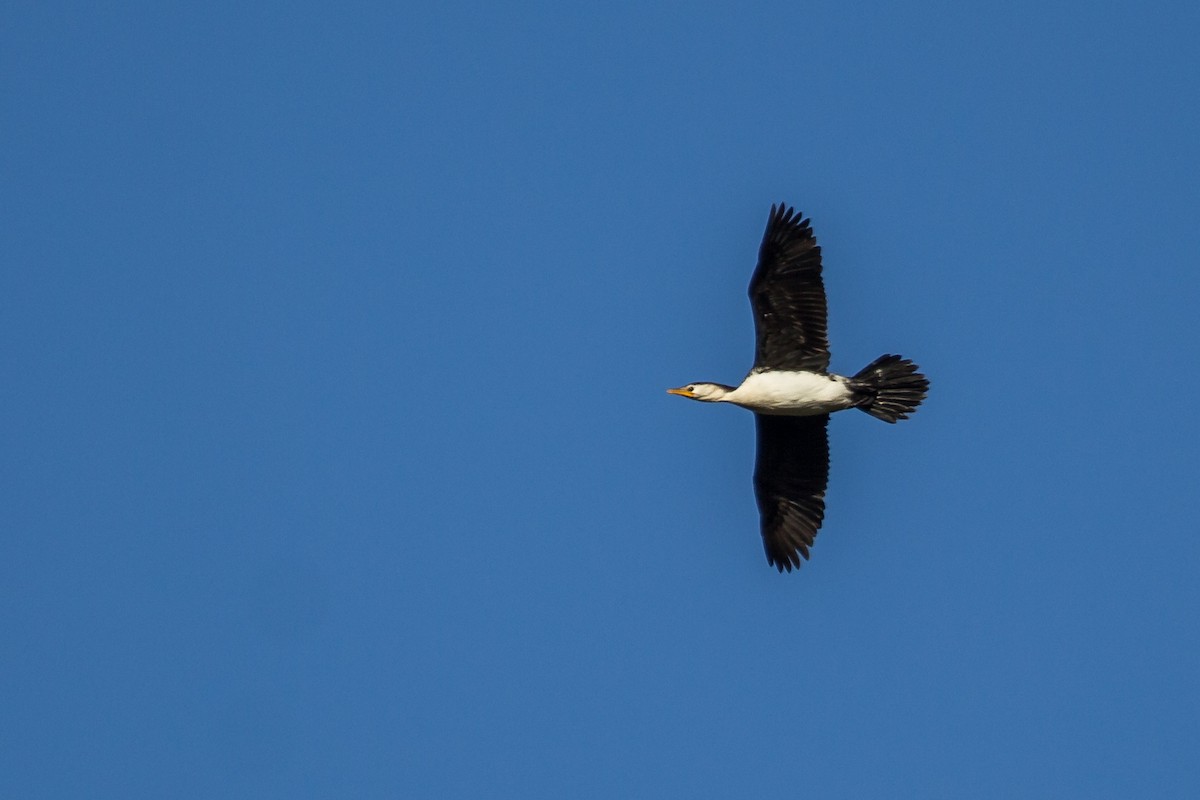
x: 792, y: 393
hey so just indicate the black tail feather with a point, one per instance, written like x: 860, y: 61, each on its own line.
x: 890, y: 388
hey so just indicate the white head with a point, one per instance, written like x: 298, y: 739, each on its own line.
x: 708, y: 392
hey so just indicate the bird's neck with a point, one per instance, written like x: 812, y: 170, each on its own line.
x: 722, y: 393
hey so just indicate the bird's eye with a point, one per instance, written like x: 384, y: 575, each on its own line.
x: 692, y: 388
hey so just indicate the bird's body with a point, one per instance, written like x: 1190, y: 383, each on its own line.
x: 792, y: 393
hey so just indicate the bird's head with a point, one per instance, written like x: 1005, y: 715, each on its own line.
x: 708, y: 392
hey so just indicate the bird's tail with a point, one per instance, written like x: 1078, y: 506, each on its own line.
x: 889, y: 388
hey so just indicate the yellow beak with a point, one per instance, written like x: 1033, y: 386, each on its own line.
x: 681, y: 392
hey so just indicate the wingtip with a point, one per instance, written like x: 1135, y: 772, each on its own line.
x: 787, y: 215
x: 787, y: 560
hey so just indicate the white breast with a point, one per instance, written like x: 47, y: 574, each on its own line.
x: 792, y: 393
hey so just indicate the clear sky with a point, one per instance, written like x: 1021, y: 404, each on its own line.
x: 336, y: 459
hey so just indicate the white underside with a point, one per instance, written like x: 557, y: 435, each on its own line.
x: 795, y: 394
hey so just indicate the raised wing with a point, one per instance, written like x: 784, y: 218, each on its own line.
x: 790, y: 476
x: 788, y: 296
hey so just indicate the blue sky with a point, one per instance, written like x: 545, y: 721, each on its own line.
x: 337, y: 461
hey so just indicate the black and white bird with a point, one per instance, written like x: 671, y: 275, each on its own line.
x: 792, y: 393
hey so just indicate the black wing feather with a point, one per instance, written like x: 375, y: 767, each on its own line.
x: 788, y: 296
x: 790, y: 477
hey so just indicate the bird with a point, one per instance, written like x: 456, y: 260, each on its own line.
x: 792, y: 392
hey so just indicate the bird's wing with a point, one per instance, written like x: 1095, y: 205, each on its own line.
x: 790, y: 477
x: 788, y: 296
